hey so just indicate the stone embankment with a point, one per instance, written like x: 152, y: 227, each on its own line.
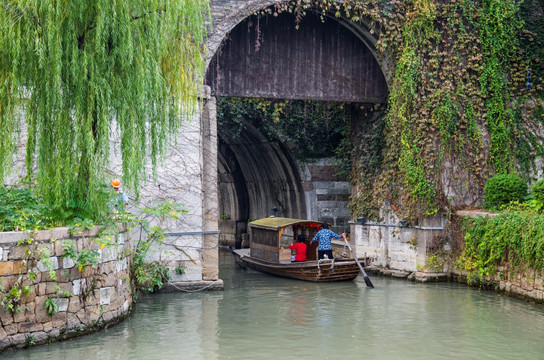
x: 520, y: 283
x: 47, y: 292
x: 525, y: 285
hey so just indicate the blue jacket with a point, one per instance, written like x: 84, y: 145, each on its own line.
x: 324, y: 237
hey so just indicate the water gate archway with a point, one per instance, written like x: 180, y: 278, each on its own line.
x: 325, y: 59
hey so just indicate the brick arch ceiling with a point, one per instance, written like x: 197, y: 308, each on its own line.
x: 226, y: 14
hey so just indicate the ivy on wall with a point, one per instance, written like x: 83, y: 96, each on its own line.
x: 514, y: 240
x: 459, y: 108
x: 532, y: 42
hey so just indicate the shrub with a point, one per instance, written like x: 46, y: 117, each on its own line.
x: 538, y: 190
x: 21, y: 210
x: 503, y: 188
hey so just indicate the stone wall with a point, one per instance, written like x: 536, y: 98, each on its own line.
x: 390, y: 244
x: 403, y: 252
x: 522, y: 283
x: 87, y: 298
x: 327, y: 194
x: 528, y: 285
x: 187, y: 175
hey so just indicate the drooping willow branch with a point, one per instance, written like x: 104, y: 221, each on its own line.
x: 89, y: 66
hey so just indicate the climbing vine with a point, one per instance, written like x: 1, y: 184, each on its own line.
x: 458, y: 99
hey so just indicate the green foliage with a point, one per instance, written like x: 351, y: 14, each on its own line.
x: 83, y: 258
x: 149, y: 276
x: 436, y: 262
x: 63, y: 293
x: 367, y: 156
x: 314, y: 129
x: 42, y: 255
x: 537, y: 190
x: 10, y: 299
x: 532, y: 42
x: 514, y: 239
x: 80, y: 69
x: 458, y: 108
x: 51, y: 306
x: 21, y: 210
x: 504, y: 188
x: 30, y: 339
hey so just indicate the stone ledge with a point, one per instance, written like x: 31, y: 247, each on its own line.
x: 191, y: 286
x: 429, y: 276
x: 418, y: 276
x: 13, y: 237
x: 510, y: 288
x: 475, y: 213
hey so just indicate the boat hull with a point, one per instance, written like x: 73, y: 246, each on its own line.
x: 315, y: 271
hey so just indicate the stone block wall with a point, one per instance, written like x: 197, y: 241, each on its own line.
x: 327, y: 194
x: 394, y: 246
x: 523, y: 284
x: 517, y: 282
x: 87, y: 298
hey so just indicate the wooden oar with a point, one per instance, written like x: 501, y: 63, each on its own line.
x: 367, y: 280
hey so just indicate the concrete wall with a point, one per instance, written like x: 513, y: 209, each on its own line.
x: 94, y: 297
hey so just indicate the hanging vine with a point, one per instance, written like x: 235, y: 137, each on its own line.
x: 457, y: 108
x: 76, y: 69
x: 313, y: 129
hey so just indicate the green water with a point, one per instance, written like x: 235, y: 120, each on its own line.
x: 259, y: 316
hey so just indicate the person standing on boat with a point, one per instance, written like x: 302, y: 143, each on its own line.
x: 300, y: 247
x: 324, y: 237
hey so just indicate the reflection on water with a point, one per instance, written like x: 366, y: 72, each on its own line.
x: 259, y: 316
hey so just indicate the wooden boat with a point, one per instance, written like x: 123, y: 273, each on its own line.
x: 269, y: 239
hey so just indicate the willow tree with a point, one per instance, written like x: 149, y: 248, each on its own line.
x: 72, y: 71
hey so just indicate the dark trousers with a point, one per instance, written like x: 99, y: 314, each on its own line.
x: 320, y: 254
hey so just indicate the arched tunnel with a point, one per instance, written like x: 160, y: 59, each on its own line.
x: 267, y: 57
x: 257, y: 178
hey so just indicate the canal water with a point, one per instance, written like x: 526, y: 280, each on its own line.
x: 260, y: 316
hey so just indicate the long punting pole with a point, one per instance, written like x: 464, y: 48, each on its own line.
x: 367, y: 280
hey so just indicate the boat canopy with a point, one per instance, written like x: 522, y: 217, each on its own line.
x: 276, y: 223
